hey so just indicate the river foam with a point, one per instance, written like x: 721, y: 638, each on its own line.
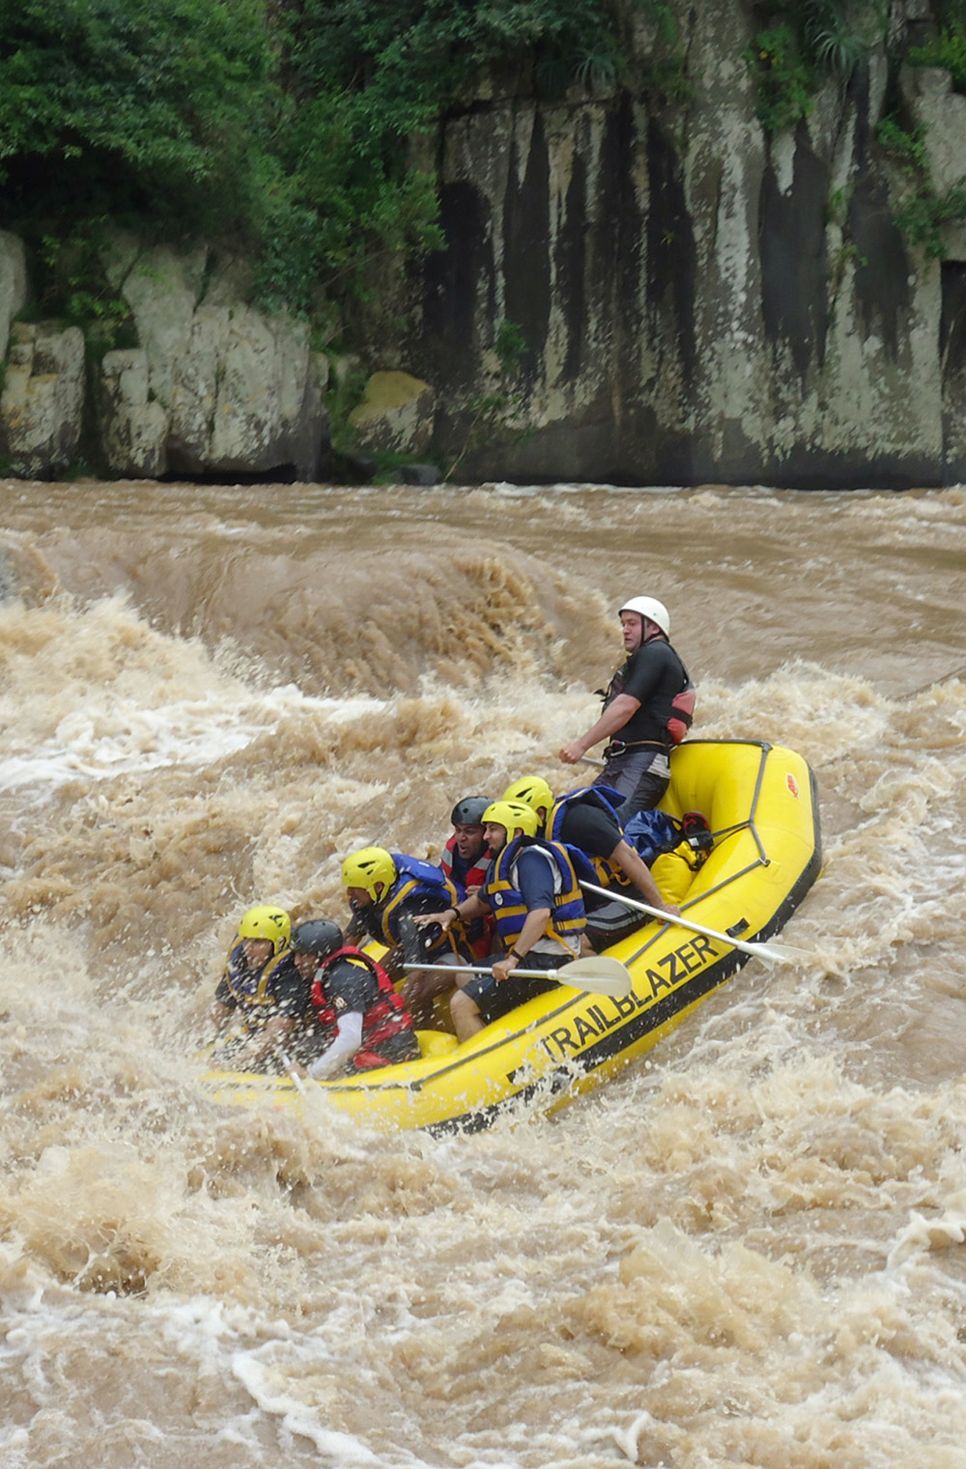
x: 748, y: 1249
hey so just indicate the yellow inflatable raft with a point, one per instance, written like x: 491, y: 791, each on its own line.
x: 760, y: 802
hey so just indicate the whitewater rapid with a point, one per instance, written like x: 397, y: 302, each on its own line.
x: 750, y: 1249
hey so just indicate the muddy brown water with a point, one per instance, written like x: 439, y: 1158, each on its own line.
x: 747, y: 1250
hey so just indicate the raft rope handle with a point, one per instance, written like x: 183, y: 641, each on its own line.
x: 726, y: 831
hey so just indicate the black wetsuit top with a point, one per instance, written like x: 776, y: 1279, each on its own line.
x: 654, y: 674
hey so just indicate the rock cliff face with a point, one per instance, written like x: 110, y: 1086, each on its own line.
x: 632, y: 289
x: 13, y: 284
x: 698, y: 301
x: 42, y: 400
x: 214, y: 388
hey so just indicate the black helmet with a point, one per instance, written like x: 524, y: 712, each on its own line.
x: 319, y: 936
x: 469, y: 811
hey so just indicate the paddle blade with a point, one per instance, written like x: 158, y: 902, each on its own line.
x: 777, y: 953
x: 599, y: 976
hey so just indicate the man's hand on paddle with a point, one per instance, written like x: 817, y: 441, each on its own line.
x: 570, y: 754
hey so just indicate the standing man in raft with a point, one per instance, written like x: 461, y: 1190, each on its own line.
x: 648, y: 707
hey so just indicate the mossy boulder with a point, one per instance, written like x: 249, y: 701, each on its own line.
x: 396, y: 414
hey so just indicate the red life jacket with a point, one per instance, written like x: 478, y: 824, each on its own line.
x: 387, y: 1017
x: 479, y: 931
x: 682, y: 713
x: 476, y: 875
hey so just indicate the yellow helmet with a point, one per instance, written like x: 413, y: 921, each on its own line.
x: 266, y: 922
x: 532, y: 791
x: 512, y: 816
x: 365, y: 868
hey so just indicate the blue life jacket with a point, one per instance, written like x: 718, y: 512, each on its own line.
x: 652, y: 832
x: 506, y: 900
x: 251, y: 988
x: 606, y: 797
x: 416, y: 879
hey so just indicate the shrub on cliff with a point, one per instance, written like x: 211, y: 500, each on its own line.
x: 810, y: 40
x: 280, y: 126
x: 150, y: 109
x: 363, y: 77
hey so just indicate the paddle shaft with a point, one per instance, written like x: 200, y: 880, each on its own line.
x: 293, y: 1074
x: 483, y: 969
x: 597, y: 974
x: 755, y: 950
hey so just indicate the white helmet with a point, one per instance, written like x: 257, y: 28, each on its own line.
x: 652, y: 608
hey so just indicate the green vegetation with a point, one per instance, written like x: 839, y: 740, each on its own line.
x: 908, y: 149
x: 923, y: 212
x: 74, y: 286
x: 808, y: 41
x: 841, y: 33
x: 510, y: 347
x: 950, y: 14
x: 114, y: 114
x: 347, y: 387
x: 784, y: 78
x: 282, y: 128
x: 947, y: 50
x: 111, y: 109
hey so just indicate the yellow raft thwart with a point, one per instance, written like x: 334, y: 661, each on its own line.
x: 760, y: 801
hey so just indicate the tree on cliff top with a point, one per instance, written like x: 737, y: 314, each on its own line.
x: 363, y: 77
x: 105, y: 106
x: 279, y: 126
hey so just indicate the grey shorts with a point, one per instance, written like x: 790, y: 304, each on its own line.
x: 641, y: 776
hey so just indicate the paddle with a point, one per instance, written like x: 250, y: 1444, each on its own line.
x: 779, y: 953
x: 598, y: 976
x: 293, y: 1074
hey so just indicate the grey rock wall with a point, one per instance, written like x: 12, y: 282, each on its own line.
x: 42, y: 401
x: 690, y: 300
x: 220, y: 388
x: 13, y: 284
x: 214, y: 388
x: 134, y: 427
x: 699, y: 301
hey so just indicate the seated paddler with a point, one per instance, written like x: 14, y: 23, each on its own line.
x: 356, y: 1016
x: 587, y: 818
x: 386, y: 892
x: 534, y: 895
x: 260, y: 995
x: 465, y: 860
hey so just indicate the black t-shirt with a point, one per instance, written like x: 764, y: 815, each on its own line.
x: 292, y: 991
x: 654, y: 674
x: 588, y: 826
x: 349, y: 985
